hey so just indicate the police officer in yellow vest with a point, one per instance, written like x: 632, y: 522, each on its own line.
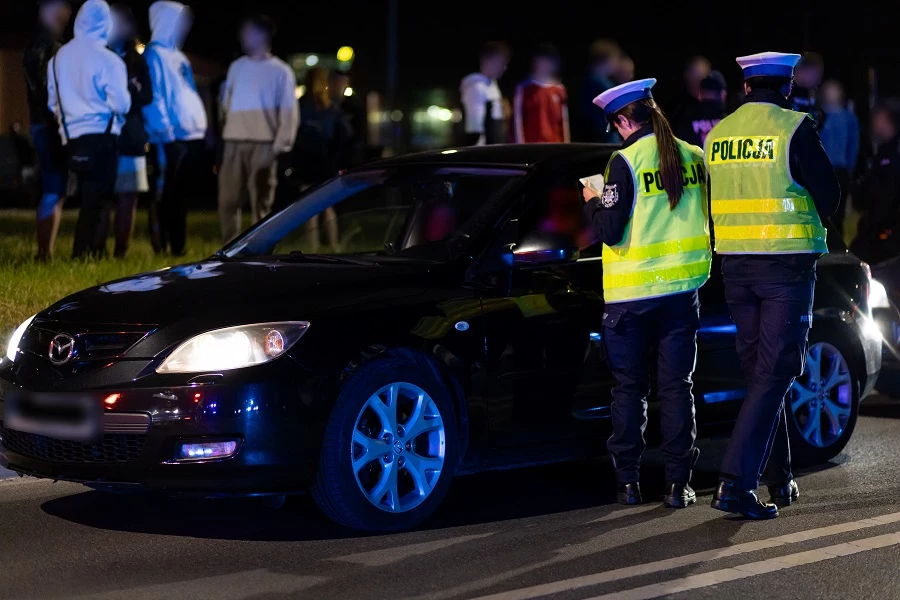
x: 771, y: 184
x: 652, y: 218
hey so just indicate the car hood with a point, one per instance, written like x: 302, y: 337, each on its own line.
x: 251, y: 291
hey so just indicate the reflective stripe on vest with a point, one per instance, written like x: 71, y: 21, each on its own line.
x: 756, y: 205
x: 663, y: 251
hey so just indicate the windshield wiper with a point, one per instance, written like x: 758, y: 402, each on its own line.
x: 298, y: 256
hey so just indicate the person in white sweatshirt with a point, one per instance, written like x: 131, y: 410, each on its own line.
x: 485, y: 122
x: 261, y: 117
x: 175, y: 120
x: 87, y: 90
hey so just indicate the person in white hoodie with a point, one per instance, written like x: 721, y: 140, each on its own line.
x: 87, y: 90
x: 176, y: 119
x: 482, y: 101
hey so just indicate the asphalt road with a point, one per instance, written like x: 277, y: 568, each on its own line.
x: 552, y: 532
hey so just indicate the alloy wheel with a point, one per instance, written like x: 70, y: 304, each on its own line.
x: 821, y: 399
x: 398, y: 447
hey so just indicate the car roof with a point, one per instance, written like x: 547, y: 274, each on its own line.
x: 512, y: 155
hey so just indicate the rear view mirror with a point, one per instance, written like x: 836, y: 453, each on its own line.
x: 539, y: 251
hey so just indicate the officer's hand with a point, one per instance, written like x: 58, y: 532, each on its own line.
x: 589, y: 194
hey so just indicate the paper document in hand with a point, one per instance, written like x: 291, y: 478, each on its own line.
x: 595, y: 182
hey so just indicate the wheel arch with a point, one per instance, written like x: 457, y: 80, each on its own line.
x: 830, y: 321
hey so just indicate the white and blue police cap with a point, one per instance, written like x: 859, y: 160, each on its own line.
x: 615, y: 99
x: 768, y: 64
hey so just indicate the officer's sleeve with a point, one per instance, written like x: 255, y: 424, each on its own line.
x: 811, y: 168
x: 610, y: 212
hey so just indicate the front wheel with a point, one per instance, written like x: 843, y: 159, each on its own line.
x: 390, y: 447
x: 823, y: 403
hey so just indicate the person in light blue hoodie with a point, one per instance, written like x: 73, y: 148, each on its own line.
x: 87, y: 91
x: 176, y: 120
x: 840, y: 137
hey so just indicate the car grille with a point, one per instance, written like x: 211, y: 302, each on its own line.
x: 112, y: 449
x: 91, y: 344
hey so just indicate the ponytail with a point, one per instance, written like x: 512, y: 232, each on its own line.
x: 671, y: 163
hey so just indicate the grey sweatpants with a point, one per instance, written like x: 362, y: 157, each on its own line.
x: 247, y: 168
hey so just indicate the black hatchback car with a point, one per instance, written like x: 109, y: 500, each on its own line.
x: 419, y: 318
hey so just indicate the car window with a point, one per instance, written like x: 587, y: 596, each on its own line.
x: 412, y: 212
x: 558, y: 211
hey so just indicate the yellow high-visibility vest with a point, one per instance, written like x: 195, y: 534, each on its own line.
x: 756, y: 205
x: 663, y: 251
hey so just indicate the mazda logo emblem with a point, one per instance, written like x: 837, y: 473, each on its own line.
x: 62, y: 349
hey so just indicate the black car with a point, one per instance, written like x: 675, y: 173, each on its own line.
x: 419, y: 318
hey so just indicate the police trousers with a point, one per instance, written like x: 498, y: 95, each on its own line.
x: 773, y: 322
x: 630, y: 331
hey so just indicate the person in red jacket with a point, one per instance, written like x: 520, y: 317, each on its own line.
x: 540, y: 109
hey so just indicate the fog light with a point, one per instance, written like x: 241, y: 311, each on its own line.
x: 207, y: 450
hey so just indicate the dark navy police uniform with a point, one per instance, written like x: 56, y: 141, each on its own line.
x: 630, y: 330
x: 770, y: 299
x: 770, y: 187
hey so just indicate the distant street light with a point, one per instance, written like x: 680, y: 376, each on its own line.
x: 312, y: 60
x: 348, y: 91
x: 140, y: 48
x: 345, y: 54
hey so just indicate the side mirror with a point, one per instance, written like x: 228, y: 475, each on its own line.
x: 540, y: 251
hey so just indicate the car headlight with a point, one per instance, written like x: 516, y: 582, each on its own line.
x: 878, y: 297
x: 234, y: 347
x: 12, y: 349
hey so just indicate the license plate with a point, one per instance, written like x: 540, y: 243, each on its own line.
x: 61, y: 416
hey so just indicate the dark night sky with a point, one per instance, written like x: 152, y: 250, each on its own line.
x: 439, y: 40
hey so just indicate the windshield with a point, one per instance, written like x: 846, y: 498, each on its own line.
x: 412, y: 212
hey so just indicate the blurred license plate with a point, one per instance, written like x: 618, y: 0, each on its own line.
x: 60, y: 416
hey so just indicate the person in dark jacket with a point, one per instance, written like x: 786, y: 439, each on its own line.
x: 695, y: 71
x: 807, y: 79
x: 321, y: 142
x: 877, y: 194
x: 132, y: 176
x: 604, y: 66
x: 698, y: 119
x: 53, y: 18
x: 354, y: 108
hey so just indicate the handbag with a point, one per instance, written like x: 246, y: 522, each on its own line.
x: 78, y: 151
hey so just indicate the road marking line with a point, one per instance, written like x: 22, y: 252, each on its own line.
x: 695, y: 582
x: 575, y: 583
x: 234, y: 586
x: 381, y: 558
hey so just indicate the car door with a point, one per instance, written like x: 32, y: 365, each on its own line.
x: 719, y: 386
x: 541, y: 331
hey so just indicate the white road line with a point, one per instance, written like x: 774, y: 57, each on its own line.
x: 694, y: 582
x: 380, y: 558
x: 234, y: 586
x: 575, y: 583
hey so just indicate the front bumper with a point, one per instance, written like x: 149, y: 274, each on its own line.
x: 271, y: 413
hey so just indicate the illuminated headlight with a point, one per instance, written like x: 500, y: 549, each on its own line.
x: 13, y: 348
x: 871, y: 329
x: 878, y: 297
x: 234, y: 347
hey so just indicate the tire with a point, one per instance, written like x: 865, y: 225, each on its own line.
x: 343, y: 496
x: 843, y: 399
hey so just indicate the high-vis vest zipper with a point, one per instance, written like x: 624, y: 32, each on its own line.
x: 756, y: 205
x: 663, y: 251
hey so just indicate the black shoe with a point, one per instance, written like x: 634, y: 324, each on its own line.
x: 730, y: 499
x: 629, y: 494
x: 679, y: 495
x: 784, y: 495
